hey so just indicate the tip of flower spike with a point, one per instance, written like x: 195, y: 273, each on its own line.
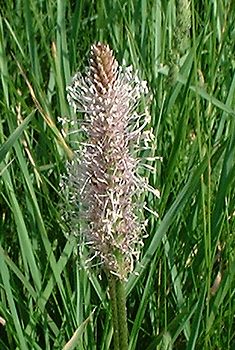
x: 103, y: 67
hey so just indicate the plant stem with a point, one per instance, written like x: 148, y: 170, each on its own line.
x: 113, y: 299
x: 119, y: 317
x: 122, y: 316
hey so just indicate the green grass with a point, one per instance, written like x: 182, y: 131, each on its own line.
x: 46, y: 292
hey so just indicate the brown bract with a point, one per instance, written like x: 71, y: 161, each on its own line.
x: 103, y: 67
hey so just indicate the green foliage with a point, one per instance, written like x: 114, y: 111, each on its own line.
x: 181, y: 295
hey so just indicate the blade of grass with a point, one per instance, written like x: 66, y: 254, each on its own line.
x: 14, y: 137
x: 183, y: 197
x: 12, y: 306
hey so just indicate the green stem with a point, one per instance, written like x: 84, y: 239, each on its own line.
x: 113, y: 299
x: 122, y: 315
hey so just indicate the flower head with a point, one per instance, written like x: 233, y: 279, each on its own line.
x: 104, y: 172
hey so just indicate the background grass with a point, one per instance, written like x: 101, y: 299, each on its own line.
x: 46, y: 293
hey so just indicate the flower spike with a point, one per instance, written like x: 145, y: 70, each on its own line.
x: 104, y: 172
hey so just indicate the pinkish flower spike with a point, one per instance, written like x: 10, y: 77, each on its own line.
x: 103, y: 175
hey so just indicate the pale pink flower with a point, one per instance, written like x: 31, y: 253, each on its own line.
x: 103, y: 173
